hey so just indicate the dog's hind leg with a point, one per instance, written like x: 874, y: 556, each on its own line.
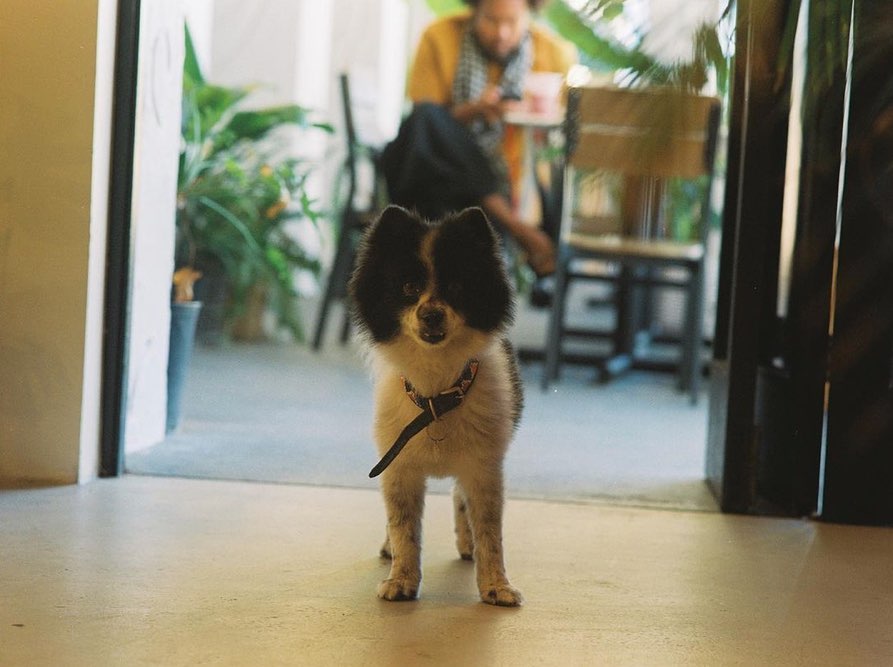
x: 385, y: 551
x: 464, y: 538
x: 484, y: 497
x: 404, y: 501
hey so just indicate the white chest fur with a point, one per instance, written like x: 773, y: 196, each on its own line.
x: 474, y: 434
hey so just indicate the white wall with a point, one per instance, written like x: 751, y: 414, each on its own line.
x: 371, y: 45
x: 55, y: 86
x: 295, y: 50
x: 91, y: 431
x: 154, y: 207
x: 281, y: 48
x: 255, y: 43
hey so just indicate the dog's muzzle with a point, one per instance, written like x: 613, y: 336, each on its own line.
x: 432, y: 321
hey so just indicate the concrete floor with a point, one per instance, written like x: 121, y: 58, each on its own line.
x: 265, y: 413
x: 152, y: 571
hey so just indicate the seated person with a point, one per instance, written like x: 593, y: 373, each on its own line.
x: 453, y: 150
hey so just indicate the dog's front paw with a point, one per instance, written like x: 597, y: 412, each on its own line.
x: 502, y: 595
x: 398, y: 590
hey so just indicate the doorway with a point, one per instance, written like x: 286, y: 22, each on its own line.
x: 277, y: 412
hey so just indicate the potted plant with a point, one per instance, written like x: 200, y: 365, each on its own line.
x: 238, y: 202
x: 185, y: 311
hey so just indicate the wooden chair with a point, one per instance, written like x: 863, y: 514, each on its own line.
x: 353, y: 220
x: 645, y: 138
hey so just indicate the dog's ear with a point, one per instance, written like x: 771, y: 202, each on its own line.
x: 394, y: 234
x: 467, y: 255
x: 476, y: 226
x: 395, y: 222
x: 388, y: 253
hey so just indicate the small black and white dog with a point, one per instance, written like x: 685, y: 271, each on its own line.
x: 433, y: 300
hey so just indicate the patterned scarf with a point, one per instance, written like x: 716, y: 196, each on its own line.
x: 471, y: 80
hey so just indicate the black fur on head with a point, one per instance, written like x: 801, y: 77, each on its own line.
x: 467, y: 271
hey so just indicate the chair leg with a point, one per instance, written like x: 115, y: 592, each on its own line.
x: 323, y: 313
x: 690, y: 365
x: 337, y: 282
x: 683, y: 379
x: 556, y: 323
x: 345, y: 327
x: 628, y: 309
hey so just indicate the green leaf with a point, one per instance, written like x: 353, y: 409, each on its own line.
x: 715, y: 57
x: 214, y: 103
x: 254, y: 125
x: 596, y: 49
x: 237, y: 224
x: 441, y: 7
x: 191, y: 67
x: 612, y: 11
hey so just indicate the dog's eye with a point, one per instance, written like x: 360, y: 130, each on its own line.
x: 454, y: 290
x: 412, y: 290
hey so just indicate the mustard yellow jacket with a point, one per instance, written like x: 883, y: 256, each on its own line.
x: 437, y: 58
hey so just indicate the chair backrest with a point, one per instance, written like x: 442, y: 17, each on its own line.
x: 358, y: 112
x: 647, y: 136
x: 647, y: 132
x: 350, y: 133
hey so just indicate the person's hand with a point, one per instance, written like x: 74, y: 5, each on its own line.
x: 490, y: 104
x: 513, y: 105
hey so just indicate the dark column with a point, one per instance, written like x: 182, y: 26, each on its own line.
x: 748, y: 261
x: 859, y: 464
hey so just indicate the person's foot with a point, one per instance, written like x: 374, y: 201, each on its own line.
x: 542, y: 292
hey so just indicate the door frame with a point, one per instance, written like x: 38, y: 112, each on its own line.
x: 769, y: 372
x: 752, y: 216
x: 118, y: 254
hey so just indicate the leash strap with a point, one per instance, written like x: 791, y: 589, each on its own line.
x: 432, y: 408
x: 416, y: 425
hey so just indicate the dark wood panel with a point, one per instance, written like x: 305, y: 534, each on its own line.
x: 859, y: 464
x: 751, y: 226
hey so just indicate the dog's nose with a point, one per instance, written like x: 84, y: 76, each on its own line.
x: 431, y: 316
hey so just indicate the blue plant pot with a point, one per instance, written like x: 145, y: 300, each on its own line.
x: 184, y: 317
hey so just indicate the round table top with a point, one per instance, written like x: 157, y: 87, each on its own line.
x: 534, y: 118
